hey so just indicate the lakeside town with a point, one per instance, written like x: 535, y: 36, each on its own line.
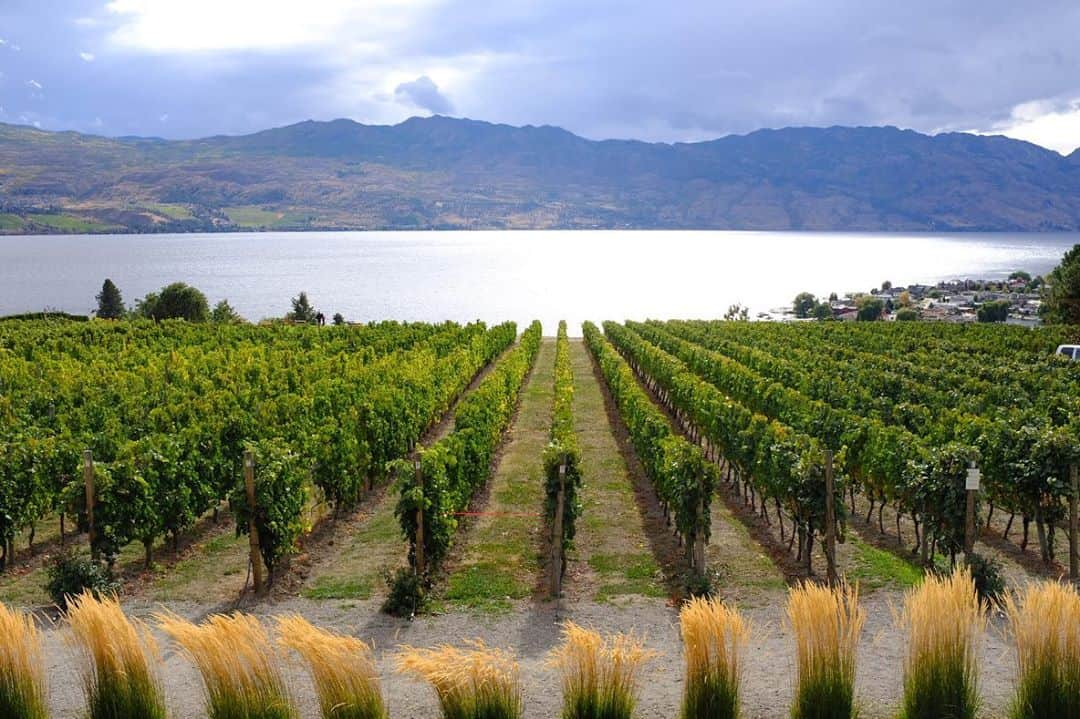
x: 1015, y: 300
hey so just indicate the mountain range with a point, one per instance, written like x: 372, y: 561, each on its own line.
x: 446, y: 173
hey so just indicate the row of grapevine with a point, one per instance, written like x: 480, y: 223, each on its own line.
x: 562, y: 471
x: 169, y: 409
x: 455, y: 467
x: 781, y: 464
x: 683, y: 478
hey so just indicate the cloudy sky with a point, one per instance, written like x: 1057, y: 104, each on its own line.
x: 683, y: 70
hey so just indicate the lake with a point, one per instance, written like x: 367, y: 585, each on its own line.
x: 494, y: 276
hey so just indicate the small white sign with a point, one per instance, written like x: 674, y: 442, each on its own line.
x: 973, y: 477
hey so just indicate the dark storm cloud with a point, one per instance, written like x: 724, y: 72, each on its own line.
x: 671, y: 71
x: 424, y: 93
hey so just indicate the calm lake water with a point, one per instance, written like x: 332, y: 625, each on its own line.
x: 504, y: 275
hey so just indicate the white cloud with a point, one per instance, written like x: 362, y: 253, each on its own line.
x: 1055, y: 125
x: 87, y: 56
x: 34, y: 84
x: 164, y: 117
x: 203, y: 25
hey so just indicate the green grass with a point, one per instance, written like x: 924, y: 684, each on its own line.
x: 173, y: 212
x: 486, y: 586
x: 875, y: 568
x: 68, y: 223
x: 339, y: 588
x: 10, y: 222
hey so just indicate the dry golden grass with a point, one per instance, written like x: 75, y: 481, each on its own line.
x: 944, y: 618
x: 343, y: 668
x: 714, y: 636
x: 117, y: 675
x: 475, y: 682
x: 237, y: 663
x: 827, y: 623
x: 1045, y: 619
x: 599, y: 675
x: 22, y: 679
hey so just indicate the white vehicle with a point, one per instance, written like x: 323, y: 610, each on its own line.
x: 1070, y: 351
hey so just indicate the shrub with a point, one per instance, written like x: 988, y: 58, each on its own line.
x: 343, y: 668
x: 71, y: 574
x: 117, y: 677
x: 234, y: 656
x: 943, y: 616
x: 989, y: 581
x: 22, y: 679
x: 714, y: 636
x: 599, y: 675
x: 407, y: 595
x: 827, y: 623
x: 1045, y: 620
x: 472, y: 683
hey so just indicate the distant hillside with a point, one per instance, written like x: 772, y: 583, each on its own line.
x: 446, y: 173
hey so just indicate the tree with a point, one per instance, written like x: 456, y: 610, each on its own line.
x: 223, y: 313
x: 1020, y: 275
x: 904, y: 299
x: 822, y: 311
x: 997, y: 311
x: 339, y: 319
x: 175, y: 301
x: 804, y: 304
x: 110, y: 303
x: 738, y: 313
x: 302, y: 311
x: 906, y: 314
x: 833, y: 297
x: 1061, y: 295
x: 886, y: 286
x: 869, y: 308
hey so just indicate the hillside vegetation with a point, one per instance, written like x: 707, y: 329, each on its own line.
x: 443, y: 173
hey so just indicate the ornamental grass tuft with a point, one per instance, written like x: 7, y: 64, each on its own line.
x: 22, y: 679
x: 827, y: 622
x: 117, y: 676
x: 237, y: 663
x: 944, y: 618
x: 1045, y: 619
x: 343, y: 669
x: 599, y: 675
x: 714, y: 636
x: 475, y: 682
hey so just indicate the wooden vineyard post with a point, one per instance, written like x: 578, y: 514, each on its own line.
x: 971, y: 487
x: 420, y: 521
x: 1074, y: 524
x: 555, y: 584
x: 699, y: 539
x: 253, y: 531
x: 88, y: 483
x: 830, y: 521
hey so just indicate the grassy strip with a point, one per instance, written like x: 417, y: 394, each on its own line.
x: 509, y: 533
x: 611, y: 539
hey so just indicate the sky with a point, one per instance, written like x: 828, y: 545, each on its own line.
x: 660, y: 71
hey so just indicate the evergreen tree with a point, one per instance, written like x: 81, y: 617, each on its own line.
x: 110, y: 303
x: 224, y: 313
x: 302, y: 311
x: 1061, y: 300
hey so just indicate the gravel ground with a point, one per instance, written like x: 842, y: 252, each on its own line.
x: 531, y: 630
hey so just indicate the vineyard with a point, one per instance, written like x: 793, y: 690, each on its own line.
x: 441, y: 469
